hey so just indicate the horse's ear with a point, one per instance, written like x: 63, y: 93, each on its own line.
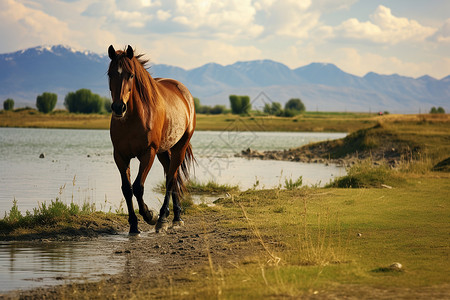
x: 111, y: 52
x: 130, y: 52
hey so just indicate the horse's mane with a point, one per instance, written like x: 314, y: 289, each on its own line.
x: 145, y: 84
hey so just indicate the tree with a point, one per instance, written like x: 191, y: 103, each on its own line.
x: 107, y: 104
x: 217, y: 110
x: 240, y: 104
x: 295, y: 104
x: 273, y: 109
x: 8, y: 104
x: 197, y: 105
x: 83, y: 101
x: 235, y: 103
x: 433, y: 110
x: 440, y: 110
x: 46, y: 102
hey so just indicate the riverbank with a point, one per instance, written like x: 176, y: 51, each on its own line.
x: 309, y: 243
x: 307, y: 122
x: 392, y: 140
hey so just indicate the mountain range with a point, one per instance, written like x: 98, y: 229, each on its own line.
x: 321, y: 86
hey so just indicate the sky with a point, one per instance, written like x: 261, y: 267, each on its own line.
x: 406, y: 37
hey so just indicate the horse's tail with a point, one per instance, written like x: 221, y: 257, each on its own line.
x: 184, y: 170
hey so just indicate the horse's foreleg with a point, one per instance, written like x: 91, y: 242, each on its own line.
x: 146, y: 161
x: 124, y: 169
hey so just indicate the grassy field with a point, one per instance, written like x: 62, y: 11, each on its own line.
x: 310, y: 243
x: 310, y: 121
x: 314, y: 242
x: 326, y: 239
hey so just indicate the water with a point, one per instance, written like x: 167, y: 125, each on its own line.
x: 25, y: 265
x: 78, y: 165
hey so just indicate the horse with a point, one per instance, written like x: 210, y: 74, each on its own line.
x: 150, y: 117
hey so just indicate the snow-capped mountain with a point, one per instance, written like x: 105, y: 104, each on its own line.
x: 60, y: 69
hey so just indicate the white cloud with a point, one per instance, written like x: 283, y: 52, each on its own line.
x: 30, y: 27
x: 191, y: 53
x: 287, y: 18
x: 332, y: 5
x: 442, y: 35
x: 384, y: 28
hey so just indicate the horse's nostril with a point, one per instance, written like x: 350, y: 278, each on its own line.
x: 124, y: 107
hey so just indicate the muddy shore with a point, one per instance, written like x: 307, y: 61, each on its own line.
x: 154, y: 260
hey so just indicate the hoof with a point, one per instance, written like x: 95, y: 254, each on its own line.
x: 178, y: 224
x: 161, y: 226
x: 150, y: 216
x: 134, y: 231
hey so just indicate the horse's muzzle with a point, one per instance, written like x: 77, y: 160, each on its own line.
x: 119, y: 109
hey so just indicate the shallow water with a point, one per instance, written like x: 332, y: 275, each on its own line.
x: 25, y: 265
x: 78, y: 165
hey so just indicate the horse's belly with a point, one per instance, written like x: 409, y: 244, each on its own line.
x: 172, y: 136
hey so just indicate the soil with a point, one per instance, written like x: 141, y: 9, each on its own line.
x: 153, y: 258
x: 157, y: 261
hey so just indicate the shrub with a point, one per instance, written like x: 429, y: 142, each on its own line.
x: 46, y: 102
x: 273, y: 109
x: 83, y: 101
x: 217, y: 110
x: 107, y: 104
x: 8, y: 104
x: 294, y: 107
x: 365, y: 175
x: 240, y: 104
x: 439, y: 110
x: 197, y: 105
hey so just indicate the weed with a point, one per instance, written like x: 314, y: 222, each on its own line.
x: 44, y: 214
x: 289, y: 184
x: 366, y: 174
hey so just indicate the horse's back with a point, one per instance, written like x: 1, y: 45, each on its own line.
x: 179, y: 108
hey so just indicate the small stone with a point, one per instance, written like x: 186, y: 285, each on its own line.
x: 358, y: 234
x: 42, y: 155
x: 396, y: 266
x: 127, y: 251
x: 157, y: 246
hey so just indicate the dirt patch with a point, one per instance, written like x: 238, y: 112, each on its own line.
x: 154, y: 260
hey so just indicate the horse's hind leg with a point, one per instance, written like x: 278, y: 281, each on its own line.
x: 162, y: 223
x: 178, y: 153
x: 146, y: 161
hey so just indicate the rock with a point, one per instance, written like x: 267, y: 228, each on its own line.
x: 358, y: 234
x: 42, y: 155
x: 396, y: 266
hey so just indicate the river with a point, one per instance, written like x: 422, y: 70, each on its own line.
x: 78, y: 165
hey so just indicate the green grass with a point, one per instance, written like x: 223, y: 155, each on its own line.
x: 195, y: 187
x: 43, y: 215
x: 332, y: 122
x: 315, y: 234
x: 58, y: 219
x: 365, y: 174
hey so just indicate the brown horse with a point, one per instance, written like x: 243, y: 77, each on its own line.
x: 149, y: 117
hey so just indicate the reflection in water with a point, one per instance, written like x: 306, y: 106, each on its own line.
x: 30, y: 264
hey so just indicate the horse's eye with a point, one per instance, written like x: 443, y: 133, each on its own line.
x: 131, y: 76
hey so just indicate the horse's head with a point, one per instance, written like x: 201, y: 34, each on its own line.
x: 121, y: 75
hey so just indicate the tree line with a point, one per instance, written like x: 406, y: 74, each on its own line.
x: 81, y: 101
x: 241, y: 105
x: 85, y: 101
